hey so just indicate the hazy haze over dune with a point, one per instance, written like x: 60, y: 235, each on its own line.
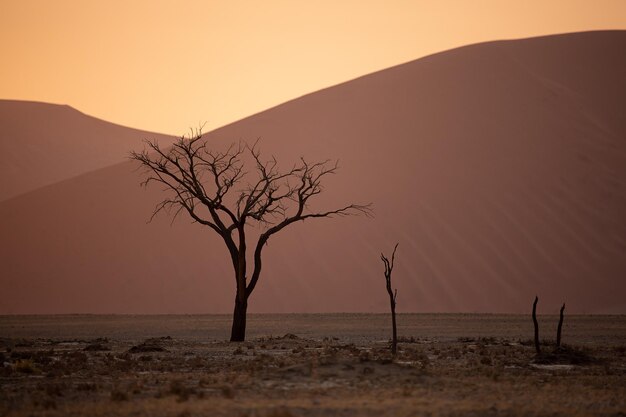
x: 41, y: 144
x: 500, y: 168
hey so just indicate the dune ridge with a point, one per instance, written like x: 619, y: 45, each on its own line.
x: 42, y: 144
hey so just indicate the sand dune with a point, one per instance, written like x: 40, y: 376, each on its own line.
x: 46, y: 143
x: 499, y: 167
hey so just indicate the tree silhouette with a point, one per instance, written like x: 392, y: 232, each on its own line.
x: 536, y: 325
x: 393, y: 294
x: 560, y: 327
x: 213, y: 188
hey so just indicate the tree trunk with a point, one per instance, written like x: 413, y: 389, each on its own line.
x: 560, y: 327
x: 537, y: 348
x: 394, y: 341
x: 238, y: 332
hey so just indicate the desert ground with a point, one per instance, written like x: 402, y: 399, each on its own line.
x: 311, y: 365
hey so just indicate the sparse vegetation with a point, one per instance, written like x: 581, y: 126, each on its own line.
x: 302, y: 376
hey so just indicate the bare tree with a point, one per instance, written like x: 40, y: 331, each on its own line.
x: 560, y: 327
x: 536, y: 324
x: 213, y: 188
x: 392, y: 296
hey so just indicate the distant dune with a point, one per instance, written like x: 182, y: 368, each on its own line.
x: 500, y: 168
x: 41, y: 144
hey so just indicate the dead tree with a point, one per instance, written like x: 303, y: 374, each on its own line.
x: 213, y: 188
x: 392, y: 296
x: 559, y: 327
x: 537, y: 348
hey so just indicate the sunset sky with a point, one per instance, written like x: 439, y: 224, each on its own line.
x: 166, y: 66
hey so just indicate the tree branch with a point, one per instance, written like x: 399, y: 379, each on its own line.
x: 197, y: 176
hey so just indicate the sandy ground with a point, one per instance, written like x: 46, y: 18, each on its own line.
x: 310, y: 365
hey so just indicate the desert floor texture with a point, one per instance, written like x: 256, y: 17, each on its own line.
x: 311, y: 365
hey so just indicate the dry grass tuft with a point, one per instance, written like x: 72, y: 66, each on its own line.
x: 26, y: 366
x: 117, y: 395
x: 566, y: 355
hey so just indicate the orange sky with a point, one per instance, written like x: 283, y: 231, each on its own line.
x: 166, y: 66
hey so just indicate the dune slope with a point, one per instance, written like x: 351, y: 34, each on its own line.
x: 500, y: 168
x: 41, y: 144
